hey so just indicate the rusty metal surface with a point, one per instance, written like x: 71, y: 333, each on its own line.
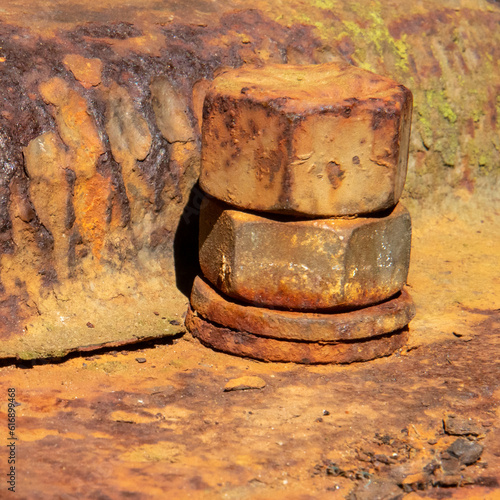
x: 74, y: 247
x: 100, y: 149
x: 295, y: 264
x: 110, y: 427
x: 242, y: 343
x: 323, y: 140
x: 371, y: 321
x: 107, y: 426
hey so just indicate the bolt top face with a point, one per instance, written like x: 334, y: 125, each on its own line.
x: 304, y: 88
x: 322, y: 140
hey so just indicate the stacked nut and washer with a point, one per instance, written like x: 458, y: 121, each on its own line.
x: 304, y: 247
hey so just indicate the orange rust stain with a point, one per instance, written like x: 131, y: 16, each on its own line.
x: 85, y: 139
x: 117, y: 213
x: 13, y: 311
x: 86, y: 71
x: 75, y: 124
x: 152, y: 42
x: 467, y: 180
x: 200, y: 89
x: 91, y: 202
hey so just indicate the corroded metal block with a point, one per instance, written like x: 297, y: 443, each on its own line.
x: 323, y: 140
x: 268, y: 349
x: 362, y: 323
x: 304, y: 264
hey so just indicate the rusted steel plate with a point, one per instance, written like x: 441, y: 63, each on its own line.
x: 99, y: 151
x: 363, y: 323
x: 268, y: 349
x: 304, y: 264
x: 318, y: 140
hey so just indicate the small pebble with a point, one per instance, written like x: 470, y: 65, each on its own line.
x: 460, y: 426
x: 140, y: 360
x: 466, y: 451
x: 244, y: 383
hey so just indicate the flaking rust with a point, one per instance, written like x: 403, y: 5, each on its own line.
x: 242, y: 343
x: 99, y: 151
x: 292, y: 151
x: 372, y: 321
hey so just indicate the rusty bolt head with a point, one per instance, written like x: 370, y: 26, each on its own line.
x: 362, y: 323
x: 322, y: 140
x: 304, y: 264
x: 267, y: 349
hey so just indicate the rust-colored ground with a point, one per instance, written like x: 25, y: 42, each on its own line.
x: 97, y: 181
x: 108, y: 426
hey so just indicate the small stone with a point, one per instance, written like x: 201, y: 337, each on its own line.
x: 244, y: 383
x: 450, y: 464
x: 332, y: 469
x: 466, y: 451
x: 384, y: 459
x: 364, y: 456
x: 304, y: 264
x: 326, y: 412
x: 140, y: 360
x: 174, y: 322
x: 459, y: 426
x: 448, y: 480
x: 318, y: 140
x: 90, y: 325
x: 414, y: 482
x: 376, y: 489
x: 465, y: 337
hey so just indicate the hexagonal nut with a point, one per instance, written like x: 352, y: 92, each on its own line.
x: 322, y: 140
x: 304, y: 264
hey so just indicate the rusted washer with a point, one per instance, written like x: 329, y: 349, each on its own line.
x: 321, y: 140
x: 304, y: 264
x: 267, y: 349
x: 363, y: 323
